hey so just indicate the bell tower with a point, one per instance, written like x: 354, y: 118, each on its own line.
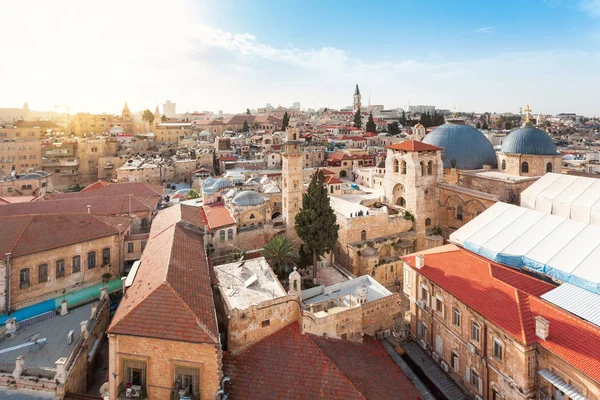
x: 291, y: 177
x: 356, y: 103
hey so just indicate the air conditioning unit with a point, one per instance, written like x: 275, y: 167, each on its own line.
x: 422, y: 304
x: 436, y: 357
x: 134, y: 391
x: 471, y: 348
x: 423, y: 344
x: 444, y: 366
x: 383, y: 334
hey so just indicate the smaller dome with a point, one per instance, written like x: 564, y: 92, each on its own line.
x: 205, y: 133
x: 529, y: 140
x: 362, y: 291
x: 368, y: 252
x: 419, y: 126
x: 248, y: 198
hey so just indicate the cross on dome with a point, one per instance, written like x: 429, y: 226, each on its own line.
x: 527, y: 111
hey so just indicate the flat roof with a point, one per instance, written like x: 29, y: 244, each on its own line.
x: 498, y: 175
x: 247, y: 283
x: 375, y: 290
x: 55, y: 330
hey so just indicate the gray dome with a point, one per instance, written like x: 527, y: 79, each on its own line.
x: 462, y: 143
x: 368, y: 252
x: 248, y: 198
x: 529, y: 140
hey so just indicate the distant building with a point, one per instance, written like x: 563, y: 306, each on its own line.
x: 169, y: 109
x: 421, y: 109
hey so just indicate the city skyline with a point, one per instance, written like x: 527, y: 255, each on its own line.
x: 224, y: 56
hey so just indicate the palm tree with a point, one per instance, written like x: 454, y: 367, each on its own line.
x: 281, y: 254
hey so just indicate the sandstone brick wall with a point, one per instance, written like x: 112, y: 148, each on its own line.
x: 379, y: 314
x: 345, y: 324
x: 546, y: 360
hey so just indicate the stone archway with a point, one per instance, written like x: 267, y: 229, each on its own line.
x: 385, y: 251
x: 276, y: 214
x: 343, y: 174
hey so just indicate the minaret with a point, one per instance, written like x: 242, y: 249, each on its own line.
x: 126, y: 113
x: 157, y: 116
x: 356, y: 104
x: 291, y: 177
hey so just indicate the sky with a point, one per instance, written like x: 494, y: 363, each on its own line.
x: 472, y: 55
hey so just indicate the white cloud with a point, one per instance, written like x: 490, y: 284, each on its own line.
x: 592, y: 7
x: 487, y: 29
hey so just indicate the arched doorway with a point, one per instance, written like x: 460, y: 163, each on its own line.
x: 401, y: 202
x: 276, y: 214
x: 342, y: 174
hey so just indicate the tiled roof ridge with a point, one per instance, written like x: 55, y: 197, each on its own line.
x: 115, y: 322
x: 21, y: 233
x: 187, y: 307
x: 524, y: 312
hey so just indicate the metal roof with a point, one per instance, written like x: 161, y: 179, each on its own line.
x: 462, y: 143
x: 559, y: 383
x: 577, y: 301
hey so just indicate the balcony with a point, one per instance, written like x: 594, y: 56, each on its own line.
x: 60, y: 162
x: 134, y: 392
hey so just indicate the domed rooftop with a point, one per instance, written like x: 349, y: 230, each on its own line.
x: 248, y: 198
x: 362, y: 291
x: 369, y: 252
x: 529, y: 140
x: 205, y: 133
x: 463, y: 144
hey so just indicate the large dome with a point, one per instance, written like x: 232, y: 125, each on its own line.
x: 463, y: 144
x: 248, y: 198
x: 529, y: 140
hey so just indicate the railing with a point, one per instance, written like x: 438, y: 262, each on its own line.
x: 38, y: 318
x: 543, y: 396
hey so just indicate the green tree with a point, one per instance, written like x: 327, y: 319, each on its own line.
x: 245, y: 126
x: 163, y: 118
x: 192, y: 194
x: 357, y: 119
x: 478, y: 125
x: 371, y: 127
x: 285, y: 122
x: 484, y: 126
x: 281, y: 254
x: 247, y: 111
x: 394, y: 128
x: 403, y: 118
x: 147, y: 116
x: 315, y: 222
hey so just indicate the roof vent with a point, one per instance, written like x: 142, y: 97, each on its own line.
x: 542, y: 327
x: 419, y: 261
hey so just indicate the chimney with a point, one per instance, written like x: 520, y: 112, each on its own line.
x: 84, y: 329
x: 542, y: 327
x: 63, y: 308
x: 61, y: 370
x: 103, y: 293
x: 70, y: 337
x: 19, y: 366
x: 124, y: 287
x: 11, y: 326
x: 419, y: 261
x: 89, y: 209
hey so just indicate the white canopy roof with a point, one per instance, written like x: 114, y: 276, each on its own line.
x: 563, y: 249
x: 568, y: 196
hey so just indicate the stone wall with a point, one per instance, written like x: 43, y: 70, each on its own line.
x: 538, y: 165
x: 161, y: 358
x: 345, y: 324
x: 257, y: 322
x: 472, y: 203
x: 378, y: 315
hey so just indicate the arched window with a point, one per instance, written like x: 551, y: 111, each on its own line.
x: 459, y: 212
x: 430, y: 168
x: 549, y: 167
x: 24, y: 278
x: 503, y: 164
x: 295, y: 185
x: 331, y: 189
x: 422, y: 168
x: 251, y: 216
x: 222, y: 235
x: 144, y: 223
x: 401, y: 202
x: 252, y: 225
x: 229, y: 234
x: 403, y: 167
x: 524, y: 167
x: 43, y: 273
x: 427, y: 221
x: 295, y: 285
x: 363, y: 235
x: 396, y: 168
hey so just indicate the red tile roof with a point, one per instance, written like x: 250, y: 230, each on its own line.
x: 171, y: 296
x: 413, y: 145
x: 16, y: 199
x: 217, y: 215
x: 95, y: 186
x: 112, y: 189
x: 332, y: 180
x: 28, y: 234
x: 292, y: 365
x: 498, y: 293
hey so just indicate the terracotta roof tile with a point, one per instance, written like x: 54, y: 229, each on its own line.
x: 112, y: 189
x: 413, y: 145
x: 217, y: 215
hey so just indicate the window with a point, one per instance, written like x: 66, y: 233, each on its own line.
x: 134, y: 372
x: 439, y: 306
x: 503, y: 164
x: 496, y: 395
x: 430, y: 168
x: 403, y: 167
x: 422, y: 168
x: 549, y: 167
x: 422, y: 330
x: 105, y: 256
x: 144, y: 223
x: 498, y: 349
x: 143, y: 245
x: 60, y: 268
x: 524, y: 167
x: 265, y: 323
x: 363, y: 235
x: 43, y: 273
x: 427, y: 221
x: 459, y: 212
x: 76, y: 264
x: 401, y: 202
x: 252, y: 216
x: 91, y: 259
x: 475, y: 379
x: 230, y: 234
x: 456, y: 316
x: 455, y: 361
x: 24, y: 278
x: 425, y: 295
x: 222, y: 235
x: 130, y: 247
x: 475, y: 331
x: 188, y: 380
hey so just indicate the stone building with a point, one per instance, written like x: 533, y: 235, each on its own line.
x: 487, y: 326
x: 19, y: 156
x: 86, y: 123
x: 291, y: 178
x: 31, y: 184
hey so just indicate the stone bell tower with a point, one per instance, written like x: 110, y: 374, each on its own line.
x: 356, y: 103
x: 291, y: 177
